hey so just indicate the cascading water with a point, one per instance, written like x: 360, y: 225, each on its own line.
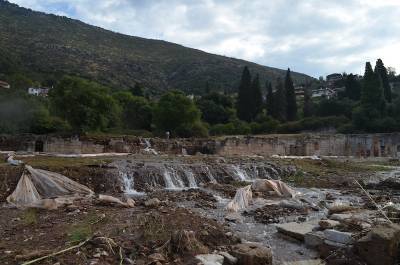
x: 128, y: 184
x: 190, y: 177
x: 148, y: 148
x: 172, y: 179
x: 241, y: 174
x: 210, y: 175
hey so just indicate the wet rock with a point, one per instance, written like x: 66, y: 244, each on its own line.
x: 381, y: 245
x: 233, y: 217
x: 211, y: 259
x: 228, y: 258
x: 295, y: 230
x: 252, y: 254
x: 314, y: 239
x: 340, y: 216
x: 338, y: 236
x: 154, y: 202
x: 306, y: 262
x: 328, y: 224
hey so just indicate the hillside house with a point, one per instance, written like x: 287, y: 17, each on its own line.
x: 324, y: 92
x: 4, y: 84
x: 38, y: 91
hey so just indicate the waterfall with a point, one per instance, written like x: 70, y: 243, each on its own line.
x: 241, y: 174
x: 148, y: 149
x: 210, y: 175
x: 128, y: 184
x: 190, y: 177
x: 172, y: 179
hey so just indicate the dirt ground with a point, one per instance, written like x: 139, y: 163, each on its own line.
x: 138, y: 233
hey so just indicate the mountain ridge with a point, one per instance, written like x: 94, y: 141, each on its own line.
x: 44, y: 44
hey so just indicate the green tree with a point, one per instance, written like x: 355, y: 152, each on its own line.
x: 215, y: 108
x: 308, y: 107
x: 371, y: 95
x: 291, y: 105
x: 85, y: 105
x: 177, y: 114
x: 256, y: 95
x: 352, y: 87
x: 280, y: 102
x: 136, y: 111
x: 382, y: 72
x: 244, y: 111
x: 137, y: 90
x: 270, y: 100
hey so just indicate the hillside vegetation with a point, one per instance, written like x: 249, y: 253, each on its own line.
x: 45, y: 46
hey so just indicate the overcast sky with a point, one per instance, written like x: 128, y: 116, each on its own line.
x: 316, y: 37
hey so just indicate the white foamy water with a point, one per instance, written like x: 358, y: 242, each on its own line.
x: 128, y: 184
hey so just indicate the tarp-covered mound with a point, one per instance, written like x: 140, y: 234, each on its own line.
x: 279, y: 187
x: 39, y: 188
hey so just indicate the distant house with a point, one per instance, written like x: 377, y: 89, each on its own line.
x: 4, y: 84
x: 299, y: 91
x: 324, y: 92
x: 39, y: 91
x: 333, y: 79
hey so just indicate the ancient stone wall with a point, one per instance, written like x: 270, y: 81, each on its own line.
x: 357, y: 145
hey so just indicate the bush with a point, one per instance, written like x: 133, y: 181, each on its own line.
x: 197, y: 129
x: 312, y: 124
x: 232, y: 128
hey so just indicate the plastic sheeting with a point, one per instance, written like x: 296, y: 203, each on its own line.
x: 41, y: 188
x: 279, y: 187
x: 241, y: 200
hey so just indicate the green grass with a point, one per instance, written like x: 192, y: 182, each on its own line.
x: 29, y: 216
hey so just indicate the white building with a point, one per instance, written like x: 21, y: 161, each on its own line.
x: 38, y: 91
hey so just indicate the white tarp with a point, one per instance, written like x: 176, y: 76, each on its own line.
x: 279, y: 187
x: 37, y: 187
x: 241, y: 200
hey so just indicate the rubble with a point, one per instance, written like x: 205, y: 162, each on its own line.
x: 381, y: 245
x: 252, y: 254
x: 314, y: 239
x: 328, y: 224
x: 339, y: 237
x: 296, y: 230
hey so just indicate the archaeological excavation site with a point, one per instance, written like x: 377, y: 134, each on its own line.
x: 306, y: 199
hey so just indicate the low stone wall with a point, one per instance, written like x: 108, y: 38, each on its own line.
x: 357, y: 145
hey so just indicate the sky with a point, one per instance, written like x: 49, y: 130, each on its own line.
x: 316, y: 37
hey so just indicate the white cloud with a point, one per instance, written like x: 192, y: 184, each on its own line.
x: 311, y: 36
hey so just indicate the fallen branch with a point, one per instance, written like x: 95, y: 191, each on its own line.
x: 57, y: 253
x: 373, y: 201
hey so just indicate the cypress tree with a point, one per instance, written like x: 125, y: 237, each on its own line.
x: 371, y: 95
x: 270, y: 99
x: 308, y: 108
x: 244, y: 103
x: 381, y: 71
x: 291, y: 105
x: 256, y: 94
x: 280, y: 102
x: 353, y: 87
x: 137, y: 90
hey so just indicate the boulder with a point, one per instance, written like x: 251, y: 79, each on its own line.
x: 339, y: 237
x: 211, y: 259
x: 252, y: 254
x: 154, y: 202
x: 381, y: 245
x: 328, y: 224
x: 314, y: 239
x: 295, y: 230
